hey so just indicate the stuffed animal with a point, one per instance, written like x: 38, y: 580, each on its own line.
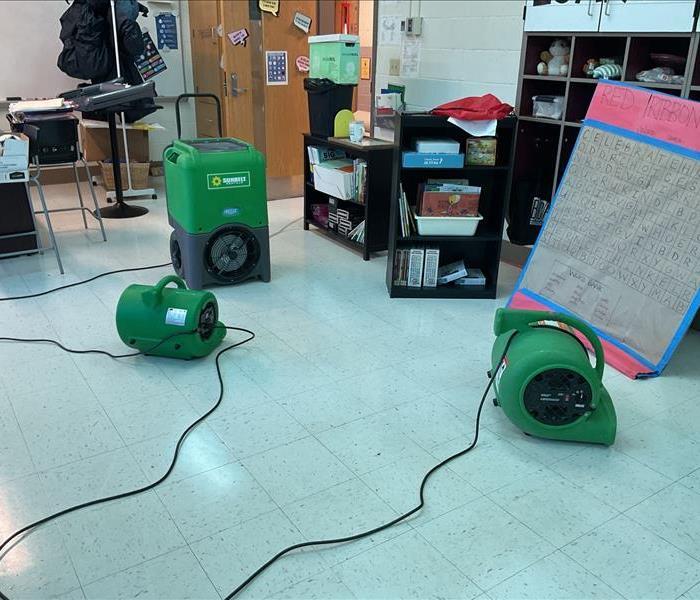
x: 555, y: 61
x: 609, y: 71
x: 591, y: 64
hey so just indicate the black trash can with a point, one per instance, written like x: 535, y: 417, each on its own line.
x: 326, y: 98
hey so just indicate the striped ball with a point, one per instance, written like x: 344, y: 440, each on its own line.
x: 607, y: 72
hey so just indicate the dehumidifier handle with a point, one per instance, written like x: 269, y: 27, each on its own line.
x: 183, y: 96
x: 507, y: 319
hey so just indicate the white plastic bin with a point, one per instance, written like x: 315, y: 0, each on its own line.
x: 465, y: 226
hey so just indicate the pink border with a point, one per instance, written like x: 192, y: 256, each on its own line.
x: 614, y: 356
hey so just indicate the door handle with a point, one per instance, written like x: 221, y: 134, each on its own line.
x: 607, y: 7
x: 235, y: 90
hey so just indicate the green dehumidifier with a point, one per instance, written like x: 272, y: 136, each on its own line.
x: 545, y: 384
x: 217, y: 205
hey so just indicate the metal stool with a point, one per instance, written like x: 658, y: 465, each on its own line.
x: 82, y: 208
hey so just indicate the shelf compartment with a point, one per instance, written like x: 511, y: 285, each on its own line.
x: 596, y: 48
x: 580, y: 95
x: 538, y: 44
x: 444, y: 291
x: 534, y: 87
x: 641, y: 48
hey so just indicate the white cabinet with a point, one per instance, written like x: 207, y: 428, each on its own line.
x: 610, y: 15
x: 647, y: 15
x: 562, y: 15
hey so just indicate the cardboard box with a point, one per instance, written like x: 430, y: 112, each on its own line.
x: 94, y: 140
x: 335, y: 178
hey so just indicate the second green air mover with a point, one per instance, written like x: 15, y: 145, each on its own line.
x: 546, y: 384
x: 217, y: 206
x: 166, y: 321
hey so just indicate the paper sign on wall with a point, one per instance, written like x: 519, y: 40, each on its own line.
x: 410, y: 56
x: 150, y: 63
x: 270, y: 6
x: 166, y: 31
x: 239, y: 37
x: 302, y: 22
x: 389, y: 31
x: 302, y: 63
x: 276, y: 67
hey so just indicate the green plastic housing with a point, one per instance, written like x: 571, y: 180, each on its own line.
x: 210, y: 182
x: 536, y: 349
x: 151, y: 318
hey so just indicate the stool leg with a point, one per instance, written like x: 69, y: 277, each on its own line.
x: 52, y: 237
x: 97, y: 213
x: 80, y: 194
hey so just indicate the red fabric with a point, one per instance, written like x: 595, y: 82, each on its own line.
x: 475, y: 108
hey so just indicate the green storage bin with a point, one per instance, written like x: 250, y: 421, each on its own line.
x: 335, y: 57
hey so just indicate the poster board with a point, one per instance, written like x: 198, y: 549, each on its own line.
x: 620, y: 247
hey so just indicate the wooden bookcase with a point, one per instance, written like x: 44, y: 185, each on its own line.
x: 556, y: 138
x: 482, y: 250
x: 379, y: 163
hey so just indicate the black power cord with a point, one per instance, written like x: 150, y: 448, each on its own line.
x: 128, y: 270
x: 4, y: 545
x: 400, y: 518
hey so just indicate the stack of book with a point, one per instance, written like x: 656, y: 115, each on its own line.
x: 420, y: 267
x: 416, y: 267
x: 448, y: 198
x: 349, y: 217
x: 360, y: 181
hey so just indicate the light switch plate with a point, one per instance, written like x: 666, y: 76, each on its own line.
x: 394, y: 67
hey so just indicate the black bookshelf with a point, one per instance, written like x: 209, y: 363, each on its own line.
x: 379, y: 159
x: 482, y: 250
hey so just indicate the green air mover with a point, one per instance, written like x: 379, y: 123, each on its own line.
x: 172, y: 322
x: 217, y: 206
x: 546, y: 384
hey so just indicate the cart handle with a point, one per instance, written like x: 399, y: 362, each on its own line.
x: 183, y: 96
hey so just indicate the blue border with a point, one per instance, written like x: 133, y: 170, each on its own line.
x: 695, y: 304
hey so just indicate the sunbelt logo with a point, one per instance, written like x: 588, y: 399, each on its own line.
x: 222, y: 181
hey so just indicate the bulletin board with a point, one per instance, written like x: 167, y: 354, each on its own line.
x: 621, y: 244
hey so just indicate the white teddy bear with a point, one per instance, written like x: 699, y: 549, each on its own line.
x: 556, y: 60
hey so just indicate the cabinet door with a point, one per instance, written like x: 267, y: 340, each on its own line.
x: 647, y: 15
x: 562, y: 15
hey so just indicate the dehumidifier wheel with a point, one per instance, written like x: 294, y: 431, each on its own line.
x: 176, y: 254
x: 231, y: 254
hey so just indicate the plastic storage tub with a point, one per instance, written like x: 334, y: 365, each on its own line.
x: 326, y: 99
x: 465, y: 226
x: 335, y: 57
x: 550, y: 107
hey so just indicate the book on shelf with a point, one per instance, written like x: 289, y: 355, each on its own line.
x: 449, y: 272
x: 474, y: 278
x: 358, y: 234
x: 430, y: 268
x: 407, y: 217
x: 321, y: 154
x: 448, y: 198
x: 360, y: 181
x: 415, y: 267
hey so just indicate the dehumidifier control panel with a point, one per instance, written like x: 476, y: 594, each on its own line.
x: 558, y: 396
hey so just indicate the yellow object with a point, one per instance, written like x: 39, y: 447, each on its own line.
x: 341, y: 124
x: 270, y: 6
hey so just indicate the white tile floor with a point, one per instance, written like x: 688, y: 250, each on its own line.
x: 331, y: 416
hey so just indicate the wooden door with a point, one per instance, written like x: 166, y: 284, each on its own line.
x: 206, y: 63
x: 648, y: 15
x: 286, y: 108
x: 238, y: 73
x: 562, y: 15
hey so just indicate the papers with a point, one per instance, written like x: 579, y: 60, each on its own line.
x: 37, y: 105
x: 476, y: 128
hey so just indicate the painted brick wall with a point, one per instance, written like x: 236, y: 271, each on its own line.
x: 469, y: 48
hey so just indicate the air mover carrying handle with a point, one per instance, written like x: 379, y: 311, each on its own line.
x: 153, y: 295
x: 183, y: 96
x: 508, y: 319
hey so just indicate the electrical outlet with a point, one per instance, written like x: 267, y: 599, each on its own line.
x: 394, y: 67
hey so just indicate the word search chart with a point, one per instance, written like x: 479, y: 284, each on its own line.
x: 621, y: 244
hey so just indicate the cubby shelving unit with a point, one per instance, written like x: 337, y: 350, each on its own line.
x: 556, y: 138
x: 483, y: 250
x: 376, y: 208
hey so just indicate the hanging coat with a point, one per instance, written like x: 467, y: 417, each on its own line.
x: 83, y: 32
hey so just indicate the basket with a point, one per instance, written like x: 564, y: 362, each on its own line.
x: 465, y: 226
x: 139, y: 174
